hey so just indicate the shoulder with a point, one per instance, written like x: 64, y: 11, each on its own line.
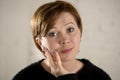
x: 28, y: 71
x: 93, y: 71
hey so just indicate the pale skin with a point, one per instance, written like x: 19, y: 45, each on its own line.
x: 61, y: 47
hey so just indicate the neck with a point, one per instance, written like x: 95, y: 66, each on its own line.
x: 66, y: 63
x: 72, y: 65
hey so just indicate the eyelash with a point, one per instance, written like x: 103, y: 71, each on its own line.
x: 53, y: 34
x: 69, y: 29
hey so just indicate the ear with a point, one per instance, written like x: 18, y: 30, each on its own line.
x: 38, y: 41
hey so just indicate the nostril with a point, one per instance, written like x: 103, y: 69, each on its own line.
x: 64, y: 39
x: 64, y: 42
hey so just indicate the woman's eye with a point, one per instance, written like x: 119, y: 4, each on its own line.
x: 52, y: 34
x: 70, y: 30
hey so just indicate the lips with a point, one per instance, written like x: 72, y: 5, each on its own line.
x: 67, y: 50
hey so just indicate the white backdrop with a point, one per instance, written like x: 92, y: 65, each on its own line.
x: 100, y: 41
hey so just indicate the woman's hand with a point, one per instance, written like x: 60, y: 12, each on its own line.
x: 54, y: 62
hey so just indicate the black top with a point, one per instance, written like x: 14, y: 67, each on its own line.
x: 36, y: 72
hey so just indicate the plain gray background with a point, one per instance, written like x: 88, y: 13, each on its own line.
x: 100, y: 41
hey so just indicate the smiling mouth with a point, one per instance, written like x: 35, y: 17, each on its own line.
x: 67, y: 50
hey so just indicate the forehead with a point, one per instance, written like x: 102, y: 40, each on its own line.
x: 64, y: 19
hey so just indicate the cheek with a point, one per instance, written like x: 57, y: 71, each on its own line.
x: 44, y: 42
x: 52, y: 45
x: 47, y: 43
x: 76, y: 40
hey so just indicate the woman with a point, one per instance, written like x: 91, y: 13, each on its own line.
x: 57, y: 31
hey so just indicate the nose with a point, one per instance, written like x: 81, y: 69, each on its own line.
x: 64, y: 40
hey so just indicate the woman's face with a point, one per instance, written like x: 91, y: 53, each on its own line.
x: 64, y: 37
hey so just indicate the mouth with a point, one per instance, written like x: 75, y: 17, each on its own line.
x: 67, y: 50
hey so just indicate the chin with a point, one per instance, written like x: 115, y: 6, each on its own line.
x: 64, y: 59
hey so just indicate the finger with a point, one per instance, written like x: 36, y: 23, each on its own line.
x: 49, y: 58
x: 57, y: 59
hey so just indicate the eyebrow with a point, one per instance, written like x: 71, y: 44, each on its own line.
x: 69, y: 23
x: 64, y: 25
